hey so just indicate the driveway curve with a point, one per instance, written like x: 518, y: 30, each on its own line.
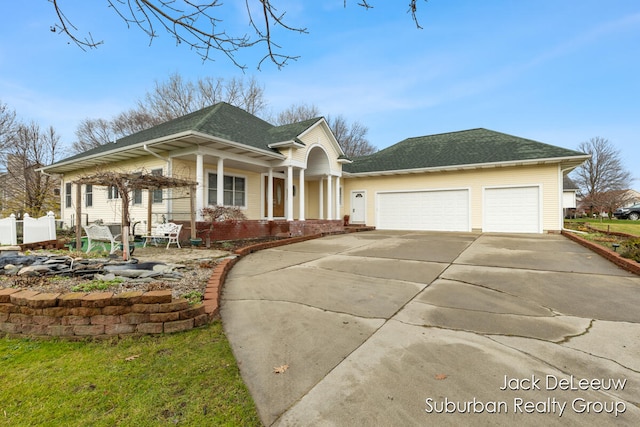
x: 392, y: 328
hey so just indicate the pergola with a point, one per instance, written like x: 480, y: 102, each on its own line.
x: 126, y: 183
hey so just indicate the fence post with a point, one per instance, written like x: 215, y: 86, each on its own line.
x: 51, y: 220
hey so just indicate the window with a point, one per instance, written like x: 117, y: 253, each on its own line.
x: 88, y: 195
x: 233, y: 190
x: 156, y: 197
x: 67, y: 195
x: 112, y: 192
x: 137, y: 193
x: 137, y: 197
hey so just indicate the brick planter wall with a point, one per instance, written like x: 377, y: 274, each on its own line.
x: 104, y: 314
x: 625, y: 263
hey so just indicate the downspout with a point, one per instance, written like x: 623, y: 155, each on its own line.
x: 146, y: 148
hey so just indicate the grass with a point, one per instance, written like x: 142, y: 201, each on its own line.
x: 609, y: 225
x: 188, y: 379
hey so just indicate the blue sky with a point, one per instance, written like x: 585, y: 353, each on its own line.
x: 559, y: 72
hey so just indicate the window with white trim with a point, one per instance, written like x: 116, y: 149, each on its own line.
x: 156, y: 196
x: 234, y: 190
x: 88, y: 195
x: 67, y: 195
x: 112, y: 192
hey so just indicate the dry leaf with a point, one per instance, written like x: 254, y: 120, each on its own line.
x: 130, y: 358
x: 441, y: 376
x: 280, y: 369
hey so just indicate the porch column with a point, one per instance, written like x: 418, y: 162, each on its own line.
x: 200, y: 187
x: 301, y: 195
x: 329, y: 199
x: 337, y: 197
x: 321, y: 198
x: 270, y: 195
x: 220, y: 183
x: 289, y: 193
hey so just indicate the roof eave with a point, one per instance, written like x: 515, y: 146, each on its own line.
x: 91, y: 160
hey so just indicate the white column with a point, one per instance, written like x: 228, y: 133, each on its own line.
x: 337, y: 197
x: 270, y: 195
x: 289, y: 193
x: 200, y: 187
x: 301, y: 195
x: 321, y: 198
x: 220, y: 183
x: 329, y: 199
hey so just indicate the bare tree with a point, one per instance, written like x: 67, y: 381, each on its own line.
x: 351, y: 137
x: 177, y: 97
x: 296, y: 113
x: 7, y: 125
x: 602, y: 177
x: 168, y: 100
x: 92, y: 133
x: 27, y: 189
x: 197, y: 24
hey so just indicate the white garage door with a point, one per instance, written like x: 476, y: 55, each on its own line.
x: 512, y: 210
x: 442, y: 210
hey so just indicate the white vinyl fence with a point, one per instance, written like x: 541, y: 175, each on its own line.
x: 8, y: 231
x: 33, y: 229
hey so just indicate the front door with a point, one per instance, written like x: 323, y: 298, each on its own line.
x: 278, y: 196
x: 358, y: 207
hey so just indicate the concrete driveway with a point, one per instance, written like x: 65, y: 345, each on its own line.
x: 408, y: 328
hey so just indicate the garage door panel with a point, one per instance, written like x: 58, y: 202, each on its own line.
x: 446, y: 210
x: 512, y: 210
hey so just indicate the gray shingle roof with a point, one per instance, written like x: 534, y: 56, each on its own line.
x: 221, y: 120
x: 470, y: 147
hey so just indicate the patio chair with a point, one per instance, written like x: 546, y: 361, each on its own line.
x: 173, y: 235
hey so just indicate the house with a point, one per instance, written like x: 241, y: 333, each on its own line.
x: 475, y: 180
x: 569, y: 197
x: 606, y: 202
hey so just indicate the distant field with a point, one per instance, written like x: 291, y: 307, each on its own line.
x: 614, y: 225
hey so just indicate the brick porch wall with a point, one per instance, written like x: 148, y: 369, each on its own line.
x: 232, y: 230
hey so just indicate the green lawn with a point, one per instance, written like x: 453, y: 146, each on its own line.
x: 187, y: 379
x: 613, y: 225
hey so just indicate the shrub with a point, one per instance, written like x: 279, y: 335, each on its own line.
x: 631, y: 249
x: 223, y: 213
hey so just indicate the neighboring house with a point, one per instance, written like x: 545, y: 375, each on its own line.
x: 475, y: 180
x: 607, y: 202
x: 569, y: 197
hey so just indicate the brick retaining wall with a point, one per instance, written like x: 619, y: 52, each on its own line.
x: 103, y: 314
x: 625, y: 263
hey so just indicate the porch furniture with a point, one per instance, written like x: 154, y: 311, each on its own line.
x: 168, y: 231
x: 101, y: 235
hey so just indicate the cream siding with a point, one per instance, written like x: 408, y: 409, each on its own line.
x: 109, y: 210
x: 475, y: 180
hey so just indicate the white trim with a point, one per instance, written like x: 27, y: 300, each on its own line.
x: 208, y: 172
x: 289, y: 206
x: 301, y: 196
x: 269, y: 214
x: 498, y: 187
